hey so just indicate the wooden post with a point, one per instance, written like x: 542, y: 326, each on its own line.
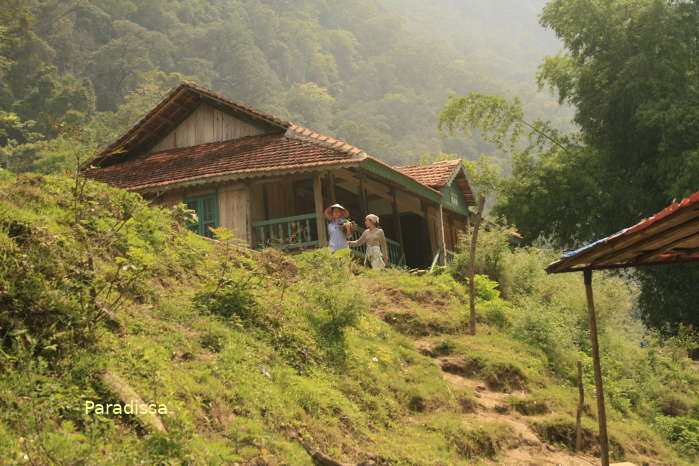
x: 363, y: 201
x: 331, y: 189
x: 599, y: 388
x: 581, y: 404
x: 396, y: 221
x: 248, y: 213
x: 320, y: 217
x: 440, y: 233
x: 472, y: 266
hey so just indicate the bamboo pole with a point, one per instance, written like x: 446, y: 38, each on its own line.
x: 581, y: 404
x: 599, y: 388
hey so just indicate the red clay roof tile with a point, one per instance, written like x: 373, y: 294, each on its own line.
x: 254, y: 154
x: 436, y: 174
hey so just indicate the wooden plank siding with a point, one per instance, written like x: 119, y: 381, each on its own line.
x: 234, y: 205
x: 234, y: 210
x: 206, y: 124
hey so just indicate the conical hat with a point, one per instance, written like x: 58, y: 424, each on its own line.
x: 329, y: 211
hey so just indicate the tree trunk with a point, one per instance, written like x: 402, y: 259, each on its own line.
x: 472, y: 265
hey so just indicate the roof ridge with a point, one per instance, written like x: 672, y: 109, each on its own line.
x: 414, y: 165
x: 304, y: 134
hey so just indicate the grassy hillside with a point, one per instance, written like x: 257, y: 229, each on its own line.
x: 261, y: 358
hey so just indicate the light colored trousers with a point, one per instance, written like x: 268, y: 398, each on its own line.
x: 375, y: 257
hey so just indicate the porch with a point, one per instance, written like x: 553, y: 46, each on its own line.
x: 287, y: 212
x: 300, y: 232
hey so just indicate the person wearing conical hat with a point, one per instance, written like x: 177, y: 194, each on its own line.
x: 338, y: 230
x: 375, y: 240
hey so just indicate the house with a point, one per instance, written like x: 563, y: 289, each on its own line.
x: 269, y: 180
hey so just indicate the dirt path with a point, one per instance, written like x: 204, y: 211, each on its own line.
x: 525, y: 448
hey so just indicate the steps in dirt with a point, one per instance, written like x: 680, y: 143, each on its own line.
x: 526, y: 448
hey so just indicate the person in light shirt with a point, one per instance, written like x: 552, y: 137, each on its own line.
x: 338, y: 227
x: 375, y: 240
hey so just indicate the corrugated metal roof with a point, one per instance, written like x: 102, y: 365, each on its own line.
x: 671, y: 236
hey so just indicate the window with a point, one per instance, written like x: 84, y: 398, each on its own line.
x: 206, y: 208
x: 454, y: 197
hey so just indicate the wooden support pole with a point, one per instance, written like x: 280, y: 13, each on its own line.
x: 581, y: 404
x: 319, y: 207
x: 248, y: 216
x: 599, y: 388
x: 363, y: 199
x: 440, y: 233
x: 396, y: 220
x: 332, y: 194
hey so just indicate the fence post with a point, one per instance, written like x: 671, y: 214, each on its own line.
x: 578, y: 415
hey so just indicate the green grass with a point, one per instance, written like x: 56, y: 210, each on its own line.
x: 257, y: 354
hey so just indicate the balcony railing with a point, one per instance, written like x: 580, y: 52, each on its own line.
x: 287, y: 233
x: 299, y: 232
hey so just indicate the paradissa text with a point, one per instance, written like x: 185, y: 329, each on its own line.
x: 127, y: 408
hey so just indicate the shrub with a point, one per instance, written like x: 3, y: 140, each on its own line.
x: 674, y: 404
x: 682, y: 432
x: 232, y: 299
x: 493, y: 247
x: 332, y: 305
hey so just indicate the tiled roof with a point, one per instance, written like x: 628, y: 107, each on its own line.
x: 244, y: 156
x: 299, y: 132
x: 126, y: 163
x: 436, y: 174
x: 440, y: 174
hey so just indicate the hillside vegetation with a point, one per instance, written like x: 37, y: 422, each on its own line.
x: 372, y: 72
x: 263, y: 358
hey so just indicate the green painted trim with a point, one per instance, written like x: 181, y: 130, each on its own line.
x: 199, y: 200
x: 276, y: 221
x: 461, y: 207
x: 403, y: 180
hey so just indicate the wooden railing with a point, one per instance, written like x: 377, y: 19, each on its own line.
x: 287, y: 233
x: 300, y: 232
x: 396, y: 257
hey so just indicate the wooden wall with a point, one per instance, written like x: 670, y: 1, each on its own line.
x: 280, y: 199
x: 234, y: 209
x: 206, y: 124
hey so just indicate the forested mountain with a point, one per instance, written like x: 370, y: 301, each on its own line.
x: 374, y: 72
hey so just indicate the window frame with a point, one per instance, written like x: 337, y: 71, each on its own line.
x: 201, y: 227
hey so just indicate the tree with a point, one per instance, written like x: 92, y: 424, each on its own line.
x: 630, y: 73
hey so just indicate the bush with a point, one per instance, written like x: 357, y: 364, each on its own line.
x: 493, y: 247
x: 233, y: 299
x: 674, y: 404
x: 682, y: 432
x: 332, y: 305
